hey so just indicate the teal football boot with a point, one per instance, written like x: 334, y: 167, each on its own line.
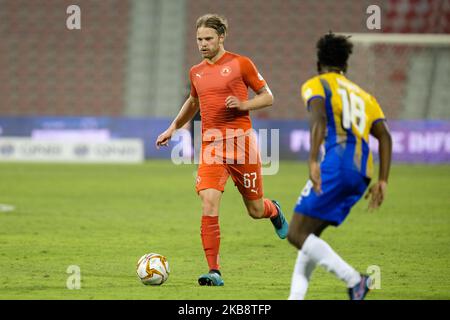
x: 212, y: 278
x: 279, y: 222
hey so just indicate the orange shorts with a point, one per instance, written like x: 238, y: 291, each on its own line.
x: 236, y: 157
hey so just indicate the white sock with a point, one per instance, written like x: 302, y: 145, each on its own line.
x: 322, y: 254
x: 303, y: 269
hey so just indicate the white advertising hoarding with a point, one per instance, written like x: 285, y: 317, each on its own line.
x: 112, y: 151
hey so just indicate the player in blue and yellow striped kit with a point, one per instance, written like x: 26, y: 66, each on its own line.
x: 342, y: 115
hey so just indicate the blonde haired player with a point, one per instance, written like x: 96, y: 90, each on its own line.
x: 219, y: 87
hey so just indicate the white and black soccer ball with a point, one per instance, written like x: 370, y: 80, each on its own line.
x: 153, y: 269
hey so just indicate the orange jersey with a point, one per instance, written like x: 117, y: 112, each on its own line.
x: 231, y: 75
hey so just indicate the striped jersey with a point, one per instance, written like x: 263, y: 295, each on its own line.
x: 351, y: 112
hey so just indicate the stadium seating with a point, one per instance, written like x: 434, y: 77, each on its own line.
x: 280, y: 37
x: 417, y: 16
x: 109, y: 69
x: 50, y: 70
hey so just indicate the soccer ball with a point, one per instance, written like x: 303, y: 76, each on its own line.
x: 153, y: 269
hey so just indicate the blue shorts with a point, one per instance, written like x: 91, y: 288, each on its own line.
x: 341, y: 189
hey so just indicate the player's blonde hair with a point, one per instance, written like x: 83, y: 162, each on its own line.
x: 214, y: 21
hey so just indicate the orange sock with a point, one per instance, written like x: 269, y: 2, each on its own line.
x: 210, y: 233
x: 270, y: 211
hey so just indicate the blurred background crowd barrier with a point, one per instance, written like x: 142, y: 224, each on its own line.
x: 124, y: 74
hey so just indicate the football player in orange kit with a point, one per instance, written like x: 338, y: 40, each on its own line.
x: 219, y: 87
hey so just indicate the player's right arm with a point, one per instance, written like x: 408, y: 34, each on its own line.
x: 318, y: 125
x: 314, y: 98
x: 187, y: 112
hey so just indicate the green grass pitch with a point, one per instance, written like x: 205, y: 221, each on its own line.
x: 102, y: 218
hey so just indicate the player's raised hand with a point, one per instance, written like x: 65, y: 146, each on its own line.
x: 314, y: 176
x: 232, y: 102
x: 164, y: 138
x: 376, y: 195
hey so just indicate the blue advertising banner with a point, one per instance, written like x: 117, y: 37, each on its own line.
x: 414, y: 141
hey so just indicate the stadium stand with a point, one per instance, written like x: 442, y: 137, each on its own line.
x: 280, y: 37
x: 47, y: 69
x: 417, y: 16
x: 132, y: 57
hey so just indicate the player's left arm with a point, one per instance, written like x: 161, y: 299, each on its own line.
x: 263, y: 99
x: 377, y: 191
x: 318, y: 125
x: 252, y: 78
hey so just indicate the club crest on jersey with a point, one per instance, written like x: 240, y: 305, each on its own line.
x: 225, y: 71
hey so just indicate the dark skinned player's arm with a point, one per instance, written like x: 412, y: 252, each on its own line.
x: 377, y: 191
x: 318, y: 125
x: 381, y: 132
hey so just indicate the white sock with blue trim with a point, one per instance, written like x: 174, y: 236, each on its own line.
x: 322, y: 254
x: 304, y: 266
